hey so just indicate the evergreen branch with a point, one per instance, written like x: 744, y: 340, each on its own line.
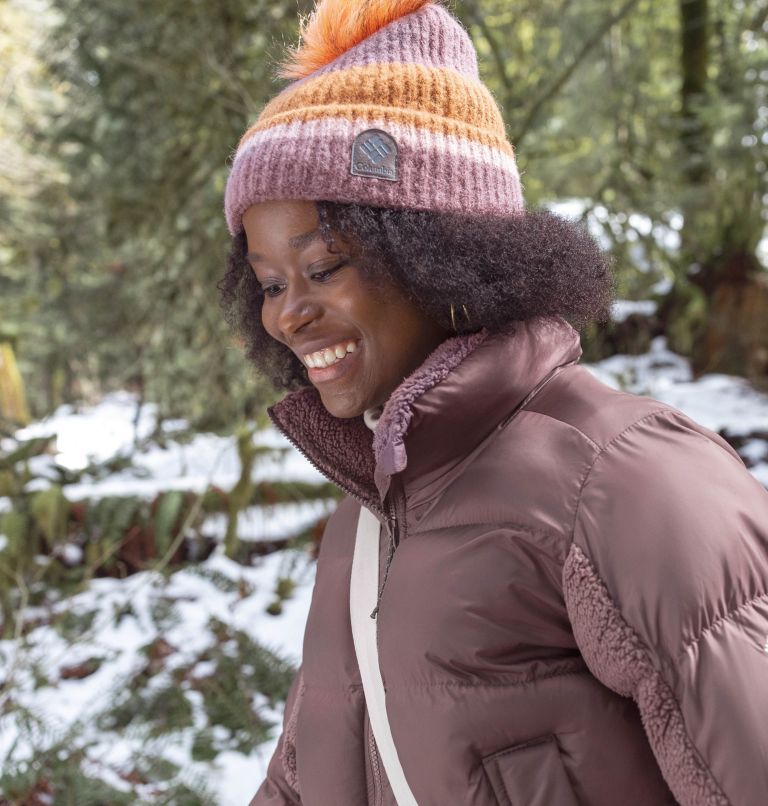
x: 498, y: 56
x: 570, y: 69
x: 146, y: 578
x: 18, y: 628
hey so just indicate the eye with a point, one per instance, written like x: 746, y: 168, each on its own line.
x: 271, y: 290
x: 325, y: 274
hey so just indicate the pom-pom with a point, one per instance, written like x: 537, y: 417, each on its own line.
x: 335, y: 26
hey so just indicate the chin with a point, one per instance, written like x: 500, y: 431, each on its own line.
x: 342, y: 410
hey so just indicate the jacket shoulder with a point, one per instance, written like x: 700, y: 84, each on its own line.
x: 575, y: 397
x: 675, y: 525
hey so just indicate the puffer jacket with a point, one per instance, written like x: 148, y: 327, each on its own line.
x: 576, y: 609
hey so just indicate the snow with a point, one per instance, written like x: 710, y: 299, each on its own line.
x: 123, y: 617
x: 118, y: 643
x: 622, y: 308
x: 600, y: 220
x: 259, y: 523
x: 95, y: 433
x: 718, y: 402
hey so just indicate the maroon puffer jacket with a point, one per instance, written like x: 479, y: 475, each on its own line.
x: 576, y: 611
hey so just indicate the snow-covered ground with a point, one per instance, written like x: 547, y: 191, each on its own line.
x: 124, y: 623
x: 723, y: 403
x: 216, y: 589
x: 223, y: 591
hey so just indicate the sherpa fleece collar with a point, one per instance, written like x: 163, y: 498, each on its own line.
x: 463, y: 390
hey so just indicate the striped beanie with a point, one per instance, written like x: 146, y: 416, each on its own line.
x: 385, y: 108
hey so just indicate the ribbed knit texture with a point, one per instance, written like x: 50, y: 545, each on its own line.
x: 416, y: 80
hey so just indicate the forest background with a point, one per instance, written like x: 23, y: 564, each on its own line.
x: 647, y: 119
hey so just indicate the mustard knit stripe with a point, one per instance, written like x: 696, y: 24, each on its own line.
x: 420, y: 120
x: 437, y: 91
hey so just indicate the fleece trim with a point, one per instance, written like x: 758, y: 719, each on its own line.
x: 288, y: 750
x: 342, y: 449
x: 389, y: 437
x: 616, y: 655
x: 427, y: 414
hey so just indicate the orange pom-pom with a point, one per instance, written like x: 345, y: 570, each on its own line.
x: 335, y: 26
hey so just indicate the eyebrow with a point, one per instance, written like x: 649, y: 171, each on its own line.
x: 296, y: 242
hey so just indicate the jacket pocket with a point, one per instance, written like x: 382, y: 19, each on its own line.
x: 530, y: 774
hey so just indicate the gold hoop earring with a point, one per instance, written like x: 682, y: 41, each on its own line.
x: 453, y: 316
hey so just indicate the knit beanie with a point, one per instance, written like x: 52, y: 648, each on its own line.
x: 385, y: 108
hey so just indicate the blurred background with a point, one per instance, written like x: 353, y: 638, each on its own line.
x: 157, y: 538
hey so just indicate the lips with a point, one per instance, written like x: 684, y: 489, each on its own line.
x: 319, y: 375
x: 327, y: 352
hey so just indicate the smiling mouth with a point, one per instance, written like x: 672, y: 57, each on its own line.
x: 335, y: 370
x: 330, y: 355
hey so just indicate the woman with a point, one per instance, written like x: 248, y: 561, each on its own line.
x: 568, y: 596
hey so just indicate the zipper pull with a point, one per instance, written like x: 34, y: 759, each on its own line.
x: 392, y: 528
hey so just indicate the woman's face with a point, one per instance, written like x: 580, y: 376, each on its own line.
x: 320, y: 305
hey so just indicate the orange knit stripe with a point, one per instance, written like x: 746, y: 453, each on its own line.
x: 434, y: 90
x: 409, y: 117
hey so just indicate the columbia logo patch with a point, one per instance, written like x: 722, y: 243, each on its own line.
x: 374, y: 154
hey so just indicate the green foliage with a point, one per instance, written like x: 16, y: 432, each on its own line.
x: 244, y: 669
x: 51, y: 542
x: 106, y: 522
x: 71, y: 623
x: 169, y: 510
x: 115, y: 257
x: 163, y: 709
x: 211, y: 701
x: 49, y: 510
x: 666, y: 149
x: 122, y: 120
x: 284, y: 588
x: 59, y: 772
x: 219, y: 699
x: 239, y: 672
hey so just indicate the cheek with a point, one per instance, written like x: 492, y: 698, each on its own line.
x: 268, y: 320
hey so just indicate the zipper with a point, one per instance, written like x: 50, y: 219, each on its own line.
x: 375, y: 508
x: 375, y: 764
x: 393, y: 533
x: 389, y: 516
x: 390, y: 523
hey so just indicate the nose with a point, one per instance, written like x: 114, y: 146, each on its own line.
x: 297, y: 310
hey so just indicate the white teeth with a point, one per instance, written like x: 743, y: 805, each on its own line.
x: 330, y: 355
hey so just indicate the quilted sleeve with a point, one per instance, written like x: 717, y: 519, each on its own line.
x: 666, y: 585
x: 281, y: 786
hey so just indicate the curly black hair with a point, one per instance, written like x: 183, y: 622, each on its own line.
x: 502, y: 269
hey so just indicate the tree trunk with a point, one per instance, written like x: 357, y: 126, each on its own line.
x: 695, y: 61
x: 718, y: 309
